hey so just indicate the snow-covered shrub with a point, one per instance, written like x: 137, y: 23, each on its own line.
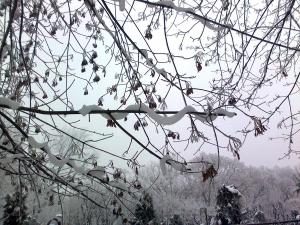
x: 144, y: 211
x: 229, y: 205
x: 259, y: 217
x: 15, y: 209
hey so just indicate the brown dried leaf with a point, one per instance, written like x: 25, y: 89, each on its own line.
x: 209, y: 173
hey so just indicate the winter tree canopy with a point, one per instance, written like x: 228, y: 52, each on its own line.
x: 90, y: 85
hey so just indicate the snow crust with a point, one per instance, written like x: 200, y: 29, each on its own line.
x: 118, y: 185
x: 225, y: 112
x: 98, y: 172
x: 161, y: 71
x: 233, y: 189
x: 258, y: 212
x: 52, y: 158
x: 10, y: 103
x: 173, y: 163
x: 87, y: 109
x: 145, y: 53
x: 163, y: 163
x: 35, y: 144
x: 77, y: 169
x: 58, y: 162
x: 178, y: 166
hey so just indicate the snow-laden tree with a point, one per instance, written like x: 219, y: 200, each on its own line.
x: 229, y: 205
x: 259, y: 217
x: 15, y: 209
x: 176, y: 220
x: 297, y: 182
x: 153, y: 64
x: 262, y: 189
x: 144, y: 211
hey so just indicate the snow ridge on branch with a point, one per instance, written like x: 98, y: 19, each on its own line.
x: 163, y: 120
x: 171, y: 4
x: 179, y: 166
x: 60, y: 162
x: 10, y: 103
x: 98, y: 172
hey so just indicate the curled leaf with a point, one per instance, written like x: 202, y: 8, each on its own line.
x: 209, y: 173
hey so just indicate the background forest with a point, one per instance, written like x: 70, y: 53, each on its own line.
x: 268, y: 194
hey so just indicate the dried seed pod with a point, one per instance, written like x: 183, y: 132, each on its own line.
x: 94, y: 55
x: 199, y: 66
x: 96, y: 78
x: 84, y: 62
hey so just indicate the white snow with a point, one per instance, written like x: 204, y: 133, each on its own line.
x: 118, y: 221
x: 97, y: 172
x: 163, y: 163
x: 87, y: 109
x: 224, y: 112
x: 258, y: 212
x: 163, y: 120
x: 52, y: 158
x: 173, y: 163
x: 5, y: 51
x: 161, y: 71
x: 167, y: 3
x: 122, y: 5
x: 171, y: 4
x: 117, y: 184
x: 77, y: 169
x: 181, y: 9
x: 233, y: 190
x: 35, y: 144
x: 209, y: 25
x: 58, y: 162
x: 10, y: 103
x: 149, y: 61
x: 144, y: 53
x: 178, y: 166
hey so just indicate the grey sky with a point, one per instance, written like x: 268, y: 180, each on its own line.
x: 258, y: 151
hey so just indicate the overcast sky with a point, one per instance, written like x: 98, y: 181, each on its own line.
x: 256, y: 151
